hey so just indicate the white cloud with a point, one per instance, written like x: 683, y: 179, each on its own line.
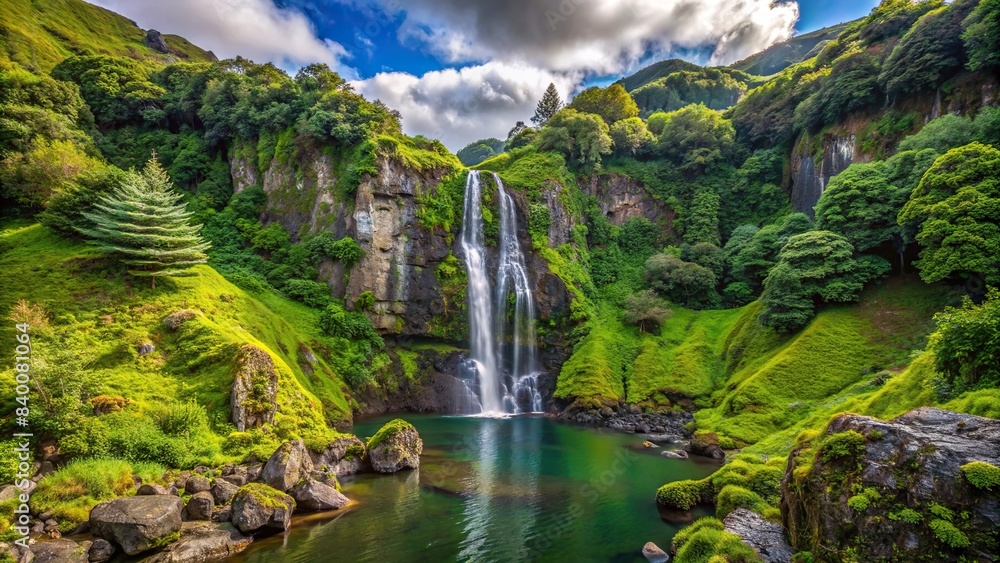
x: 461, y: 106
x: 601, y: 36
x: 254, y: 29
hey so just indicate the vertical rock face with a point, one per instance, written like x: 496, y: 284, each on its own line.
x: 895, y: 490
x: 401, y: 258
x: 809, y: 180
x: 622, y: 198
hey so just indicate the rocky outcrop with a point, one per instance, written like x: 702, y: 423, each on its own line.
x: 622, y: 198
x: 344, y: 456
x: 289, y: 463
x: 257, y: 506
x: 254, y: 396
x: 810, y: 178
x: 138, y: 523
x: 895, y: 490
x: 396, y: 446
x: 154, y: 40
x: 203, y: 542
x: 766, y: 538
x: 667, y: 425
x: 401, y: 258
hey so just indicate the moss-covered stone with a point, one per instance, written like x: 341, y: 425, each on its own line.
x: 982, y: 475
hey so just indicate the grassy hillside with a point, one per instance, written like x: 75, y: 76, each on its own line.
x: 39, y: 34
x: 756, y: 385
x: 89, y: 326
x: 783, y: 55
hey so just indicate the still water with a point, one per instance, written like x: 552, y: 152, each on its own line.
x: 514, y: 489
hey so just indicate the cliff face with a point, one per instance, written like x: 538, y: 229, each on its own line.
x: 622, y: 198
x: 401, y: 257
x: 810, y: 178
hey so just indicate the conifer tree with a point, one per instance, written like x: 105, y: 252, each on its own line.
x: 547, y: 106
x: 142, y: 222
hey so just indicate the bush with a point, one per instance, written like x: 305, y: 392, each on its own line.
x: 841, y: 445
x: 313, y: 294
x: 732, y: 497
x: 180, y: 419
x: 685, y: 495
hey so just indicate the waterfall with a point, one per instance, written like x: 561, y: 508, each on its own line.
x: 502, y: 353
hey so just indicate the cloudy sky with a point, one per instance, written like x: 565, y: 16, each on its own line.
x: 461, y: 70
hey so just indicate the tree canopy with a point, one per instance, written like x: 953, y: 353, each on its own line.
x: 581, y: 137
x: 613, y: 103
x: 967, y: 344
x: 956, y: 211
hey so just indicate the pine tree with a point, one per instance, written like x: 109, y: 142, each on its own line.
x: 142, y: 222
x: 547, y: 106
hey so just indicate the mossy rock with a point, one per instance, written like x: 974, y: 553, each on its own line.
x: 396, y: 446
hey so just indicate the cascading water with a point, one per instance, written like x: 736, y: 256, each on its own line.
x: 501, y: 322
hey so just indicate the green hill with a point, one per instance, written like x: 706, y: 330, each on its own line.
x: 90, y: 326
x: 38, y: 34
x: 778, y: 57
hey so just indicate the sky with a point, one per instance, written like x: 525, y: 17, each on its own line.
x: 462, y: 70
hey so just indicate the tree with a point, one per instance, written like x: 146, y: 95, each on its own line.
x: 33, y: 177
x: 956, y: 212
x: 582, y: 137
x: 966, y: 344
x: 701, y: 222
x: 930, y: 53
x: 547, y: 106
x: 631, y: 137
x: 750, y: 259
x: 142, y: 223
x: 696, y: 138
x: 862, y: 205
x: 817, y: 266
x: 982, y: 35
x: 646, y: 309
x: 681, y: 282
x: 613, y: 103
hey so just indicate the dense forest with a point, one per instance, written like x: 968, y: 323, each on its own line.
x: 720, y: 293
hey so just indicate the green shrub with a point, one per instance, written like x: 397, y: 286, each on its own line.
x: 732, y: 497
x: 706, y: 540
x: 858, y: 503
x: 685, y: 495
x: 180, y: 419
x: 72, y: 491
x: 948, y: 534
x: 982, y: 475
x: 842, y: 445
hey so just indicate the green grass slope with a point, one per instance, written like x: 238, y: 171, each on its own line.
x: 95, y: 323
x: 39, y: 34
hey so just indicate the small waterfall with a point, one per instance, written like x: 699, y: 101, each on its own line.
x: 502, y: 342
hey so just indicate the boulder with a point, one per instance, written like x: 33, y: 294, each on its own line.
x: 315, y: 496
x: 149, y: 489
x: 254, y: 397
x: 146, y: 348
x: 675, y: 454
x: 336, y: 450
x: 766, y: 538
x: 154, y: 40
x: 256, y: 506
x: 200, y: 506
x: 101, y: 550
x: 289, y: 463
x: 706, y: 444
x: 60, y: 551
x: 197, y: 484
x: 203, y: 542
x: 894, y: 490
x: 223, y: 491
x: 396, y: 446
x: 654, y: 554
x: 138, y: 524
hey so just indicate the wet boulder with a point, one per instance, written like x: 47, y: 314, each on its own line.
x: 203, y: 542
x: 396, y: 446
x: 289, y: 463
x: 315, y: 496
x: 257, y: 506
